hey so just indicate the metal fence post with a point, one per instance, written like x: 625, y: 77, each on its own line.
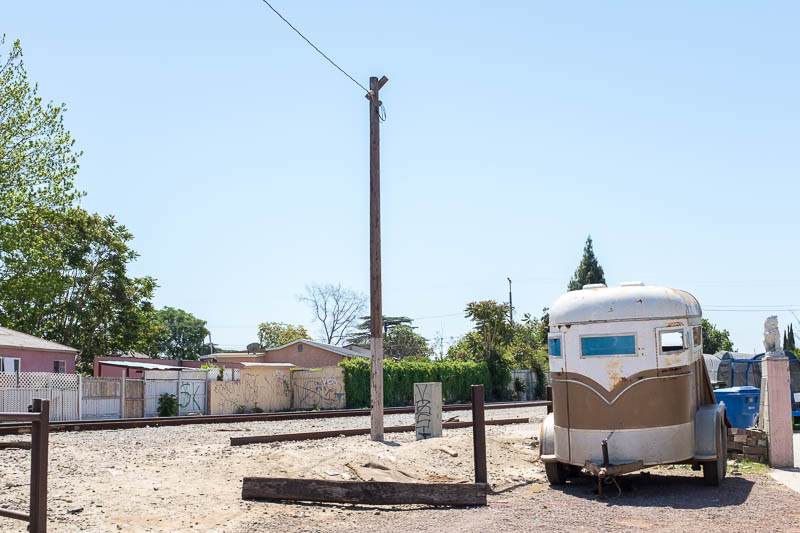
x: 122, y: 397
x: 40, y: 432
x: 478, y: 434
x: 80, y: 397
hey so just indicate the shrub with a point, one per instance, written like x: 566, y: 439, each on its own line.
x: 457, y: 378
x: 167, y: 405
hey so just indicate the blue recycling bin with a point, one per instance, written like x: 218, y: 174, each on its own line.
x: 741, y: 404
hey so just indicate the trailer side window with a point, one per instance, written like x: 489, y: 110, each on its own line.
x: 611, y: 345
x: 672, y: 341
x: 554, y: 346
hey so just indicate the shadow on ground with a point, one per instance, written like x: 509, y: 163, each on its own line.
x: 650, y: 489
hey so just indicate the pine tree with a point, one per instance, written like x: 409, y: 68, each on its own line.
x: 588, y: 271
x: 788, y: 339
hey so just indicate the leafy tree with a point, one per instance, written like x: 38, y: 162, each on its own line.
x: 487, y: 342
x: 715, y: 340
x: 402, y: 341
x: 82, y: 296
x: 186, y: 333
x: 588, y: 271
x: 37, y: 161
x: 63, y: 272
x: 335, y: 308
x: 271, y: 334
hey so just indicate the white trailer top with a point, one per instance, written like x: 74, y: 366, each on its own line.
x: 629, y: 301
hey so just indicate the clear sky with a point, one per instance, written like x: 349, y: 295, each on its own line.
x: 238, y: 157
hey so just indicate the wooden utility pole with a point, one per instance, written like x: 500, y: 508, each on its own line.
x: 375, y: 305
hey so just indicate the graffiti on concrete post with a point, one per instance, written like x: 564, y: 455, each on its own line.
x: 428, y: 410
x: 422, y: 410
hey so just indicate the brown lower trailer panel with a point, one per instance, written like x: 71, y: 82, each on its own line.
x: 128, y: 423
x: 363, y: 492
x: 314, y: 435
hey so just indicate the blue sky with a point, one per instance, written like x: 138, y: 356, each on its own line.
x: 238, y: 157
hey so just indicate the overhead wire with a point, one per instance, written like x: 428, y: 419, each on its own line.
x: 315, y: 48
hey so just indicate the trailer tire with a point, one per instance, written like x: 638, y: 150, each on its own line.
x: 714, y: 471
x: 556, y: 473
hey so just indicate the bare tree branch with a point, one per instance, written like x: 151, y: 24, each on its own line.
x: 335, y: 307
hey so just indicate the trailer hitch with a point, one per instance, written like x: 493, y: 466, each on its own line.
x: 607, y: 473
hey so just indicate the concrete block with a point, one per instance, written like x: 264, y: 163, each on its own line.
x: 740, y: 438
x: 755, y: 450
x: 428, y: 409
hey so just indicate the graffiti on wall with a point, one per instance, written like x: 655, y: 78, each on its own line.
x: 191, y: 394
x: 227, y: 397
x: 267, y: 391
x: 318, y: 392
x: 258, y: 387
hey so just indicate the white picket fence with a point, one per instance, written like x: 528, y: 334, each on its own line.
x: 73, y: 397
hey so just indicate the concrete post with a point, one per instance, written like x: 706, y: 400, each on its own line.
x: 428, y: 409
x: 777, y: 398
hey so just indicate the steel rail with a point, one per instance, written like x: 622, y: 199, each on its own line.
x: 129, y: 423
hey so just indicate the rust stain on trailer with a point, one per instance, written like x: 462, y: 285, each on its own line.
x: 614, y: 372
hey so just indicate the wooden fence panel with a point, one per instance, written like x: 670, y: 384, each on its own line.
x: 134, y: 398
x: 101, y: 398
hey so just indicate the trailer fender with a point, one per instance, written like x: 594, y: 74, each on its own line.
x: 708, y: 420
x: 547, y: 440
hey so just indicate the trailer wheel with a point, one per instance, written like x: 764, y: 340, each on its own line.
x: 714, y: 471
x: 556, y: 473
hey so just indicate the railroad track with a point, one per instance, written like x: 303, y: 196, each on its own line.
x: 128, y: 423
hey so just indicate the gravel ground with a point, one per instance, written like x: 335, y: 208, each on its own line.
x: 188, y: 478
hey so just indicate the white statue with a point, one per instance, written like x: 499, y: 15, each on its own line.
x: 772, y: 335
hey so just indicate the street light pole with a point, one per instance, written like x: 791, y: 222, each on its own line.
x: 510, y: 304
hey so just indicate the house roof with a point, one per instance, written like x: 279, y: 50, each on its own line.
x: 344, y: 352
x: 330, y: 347
x: 146, y: 366
x: 16, y: 339
x: 278, y: 365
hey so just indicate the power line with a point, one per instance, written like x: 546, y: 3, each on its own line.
x: 748, y: 310
x: 314, y: 47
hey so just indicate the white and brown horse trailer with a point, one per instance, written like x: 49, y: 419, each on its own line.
x: 630, y: 387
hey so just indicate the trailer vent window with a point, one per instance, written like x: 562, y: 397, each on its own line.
x: 697, y: 336
x: 614, y: 345
x: 554, y: 346
x: 672, y: 341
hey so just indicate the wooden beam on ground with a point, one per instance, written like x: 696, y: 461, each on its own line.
x: 363, y: 492
x: 21, y: 444
x: 284, y: 437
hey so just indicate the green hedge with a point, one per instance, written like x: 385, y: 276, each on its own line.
x: 457, y: 378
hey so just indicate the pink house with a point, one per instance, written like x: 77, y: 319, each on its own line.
x: 20, y: 352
